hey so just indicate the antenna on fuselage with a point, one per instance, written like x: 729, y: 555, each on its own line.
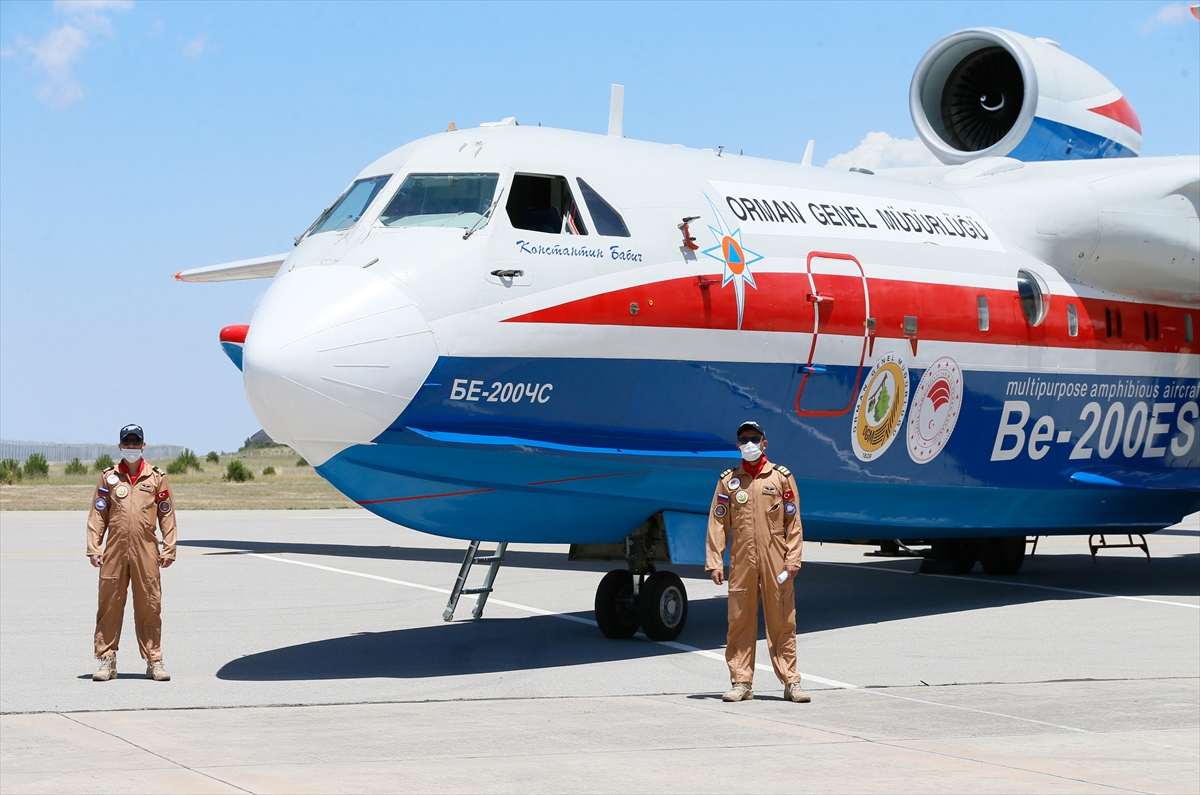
x: 616, y: 110
x: 808, y: 150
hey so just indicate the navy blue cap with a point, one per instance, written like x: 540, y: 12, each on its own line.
x: 132, y: 430
x: 751, y: 424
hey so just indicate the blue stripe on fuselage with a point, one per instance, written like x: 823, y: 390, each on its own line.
x: 551, y: 485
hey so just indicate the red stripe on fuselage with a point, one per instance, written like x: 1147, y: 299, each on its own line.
x: 424, y: 496
x: 944, y: 312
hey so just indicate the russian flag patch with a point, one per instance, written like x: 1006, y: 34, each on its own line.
x: 723, y: 497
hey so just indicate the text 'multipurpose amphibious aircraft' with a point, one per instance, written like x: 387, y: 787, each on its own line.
x: 524, y: 334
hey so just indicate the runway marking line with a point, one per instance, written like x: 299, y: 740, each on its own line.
x: 670, y: 644
x: 963, y: 578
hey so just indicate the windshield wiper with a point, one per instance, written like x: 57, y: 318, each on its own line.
x: 475, y: 227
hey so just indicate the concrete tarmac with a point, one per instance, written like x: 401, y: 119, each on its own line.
x: 309, y: 655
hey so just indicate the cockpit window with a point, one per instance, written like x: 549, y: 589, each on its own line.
x: 608, y: 221
x: 544, y: 204
x: 456, y: 200
x: 346, y: 211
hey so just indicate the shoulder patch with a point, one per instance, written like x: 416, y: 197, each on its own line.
x: 156, y: 469
x: 110, y: 468
x: 784, y: 470
x: 725, y: 474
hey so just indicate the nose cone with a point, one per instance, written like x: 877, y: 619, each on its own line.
x: 333, y: 356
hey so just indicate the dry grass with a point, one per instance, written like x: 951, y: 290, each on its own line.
x: 292, y: 487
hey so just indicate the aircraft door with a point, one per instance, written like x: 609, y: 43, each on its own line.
x: 842, y: 327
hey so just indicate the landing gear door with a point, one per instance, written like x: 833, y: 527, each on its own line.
x: 841, y: 330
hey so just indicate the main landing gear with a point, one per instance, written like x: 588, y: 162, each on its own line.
x: 657, y: 603
x: 639, y: 595
x: 999, y: 556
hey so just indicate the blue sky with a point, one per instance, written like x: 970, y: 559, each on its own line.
x: 137, y: 139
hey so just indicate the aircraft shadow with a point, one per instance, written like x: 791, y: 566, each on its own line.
x: 828, y: 597
x: 512, y: 559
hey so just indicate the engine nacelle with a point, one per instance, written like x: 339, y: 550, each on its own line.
x: 986, y: 92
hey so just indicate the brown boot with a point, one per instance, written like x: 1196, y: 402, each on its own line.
x: 107, y: 669
x: 794, y: 692
x: 155, y: 671
x: 741, y: 691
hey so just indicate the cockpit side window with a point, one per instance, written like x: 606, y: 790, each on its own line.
x: 454, y: 200
x: 542, y: 203
x: 345, y: 212
x: 607, y: 220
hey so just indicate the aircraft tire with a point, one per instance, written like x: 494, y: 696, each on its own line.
x: 663, y: 605
x: 616, y: 611
x: 960, y: 552
x: 1002, y: 556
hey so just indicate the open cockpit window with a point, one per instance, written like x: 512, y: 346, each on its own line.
x: 544, y: 204
x: 345, y: 212
x: 455, y: 200
x: 607, y: 220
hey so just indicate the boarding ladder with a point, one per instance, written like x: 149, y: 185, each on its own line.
x: 494, y: 559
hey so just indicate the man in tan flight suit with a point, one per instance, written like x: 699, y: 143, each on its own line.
x: 756, y: 513
x: 130, y: 499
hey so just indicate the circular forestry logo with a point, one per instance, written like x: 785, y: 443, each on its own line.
x: 879, y: 412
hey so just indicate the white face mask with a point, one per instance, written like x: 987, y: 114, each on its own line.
x: 131, y: 455
x: 751, y: 451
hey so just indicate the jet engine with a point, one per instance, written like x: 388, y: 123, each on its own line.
x: 987, y: 92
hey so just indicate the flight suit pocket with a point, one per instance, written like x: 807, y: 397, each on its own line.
x: 153, y: 593
x: 775, y: 517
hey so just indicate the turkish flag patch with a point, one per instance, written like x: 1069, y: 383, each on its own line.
x: 162, y: 495
x: 789, y: 494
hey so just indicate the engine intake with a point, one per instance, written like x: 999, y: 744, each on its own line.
x: 986, y: 92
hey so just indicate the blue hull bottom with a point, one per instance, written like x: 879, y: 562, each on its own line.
x: 528, y: 496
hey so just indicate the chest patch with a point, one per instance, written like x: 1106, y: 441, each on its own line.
x: 734, y: 483
x: 121, y: 491
x: 741, y: 497
x: 146, y: 487
x: 769, y: 490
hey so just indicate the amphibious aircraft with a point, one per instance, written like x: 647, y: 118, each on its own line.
x: 524, y: 334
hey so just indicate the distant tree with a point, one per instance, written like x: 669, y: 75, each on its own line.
x: 213, y: 457
x: 237, y: 472
x: 102, y: 463
x: 36, y: 466
x: 300, y: 462
x: 268, y: 470
x: 10, y: 471
x: 76, y: 467
x: 183, y: 462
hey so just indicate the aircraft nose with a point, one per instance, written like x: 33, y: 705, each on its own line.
x: 333, y: 356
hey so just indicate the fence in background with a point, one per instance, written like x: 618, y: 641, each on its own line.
x: 60, y: 451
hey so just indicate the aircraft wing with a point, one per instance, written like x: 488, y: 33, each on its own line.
x: 257, y: 268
